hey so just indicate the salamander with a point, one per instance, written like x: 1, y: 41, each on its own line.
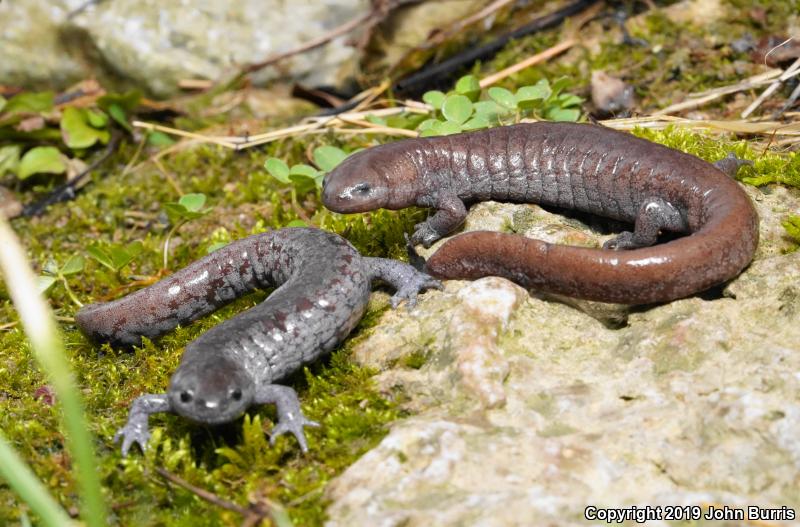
x: 323, y: 286
x: 584, y: 167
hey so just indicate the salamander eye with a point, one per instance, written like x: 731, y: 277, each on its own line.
x: 186, y: 396
x: 236, y: 394
x: 362, y: 188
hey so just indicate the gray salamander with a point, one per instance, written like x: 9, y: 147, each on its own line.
x: 577, y: 166
x: 323, y: 286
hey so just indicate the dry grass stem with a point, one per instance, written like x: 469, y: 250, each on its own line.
x: 699, y: 99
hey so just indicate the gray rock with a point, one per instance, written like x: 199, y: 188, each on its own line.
x: 529, y: 410
x: 32, y: 47
x: 154, y: 44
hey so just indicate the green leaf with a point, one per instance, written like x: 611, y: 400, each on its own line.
x: 50, y: 267
x: 457, y: 108
x: 30, y: 103
x: 328, y: 157
x: 563, y: 114
x: 114, y: 256
x: 408, y: 121
x: 490, y: 110
x: 278, y: 169
x: 476, y: 123
x: 427, y: 124
x: 503, y: 97
x: 193, y: 202
x: 469, y: 86
x: 374, y: 119
x: 44, y: 283
x: 101, y: 255
x: 567, y: 99
x: 304, y: 170
x: 2, y: 103
x: 39, y: 160
x: 159, y: 139
x: 118, y: 114
x: 76, y: 130
x: 559, y: 84
x: 187, y: 208
x: 435, y: 98
x: 529, y: 97
x: 73, y: 266
x: 127, y: 101
x: 297, y: 223
x: 9, y: 158
x: 442, y: 128
x: 176, y: 211
x: 97, y: 118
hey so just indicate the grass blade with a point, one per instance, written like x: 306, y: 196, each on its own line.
x: 41, y: 330
x: 22, y: 479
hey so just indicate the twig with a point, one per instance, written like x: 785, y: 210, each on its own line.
x: 530, y: 61
x: 789, y: 102
x: 473, y: 18
x: 380, y: 128
x: 699, y: 99
x: 66, y: 191
x: 436, y: 73
x: 203, y: 494
x: 378, y: 12
x: 658, y: 122
x: 546, y: 54
x: 316, y: 124
x: 135, y: 156
x: 182, y: 133
x: 791, y: 71
x: 164, y: 172
x: 311, y: 44
x: 253, y: 514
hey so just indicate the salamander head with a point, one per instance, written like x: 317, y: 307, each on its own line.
x: 210, y: 390
x: 377, y: 178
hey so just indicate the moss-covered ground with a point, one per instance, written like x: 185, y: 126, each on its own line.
x: 236, y: 462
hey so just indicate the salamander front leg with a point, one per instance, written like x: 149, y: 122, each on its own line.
x: 407, y: 280
x: 655, y: 215
x: 450, y: 213
x: 290, y: 416
x: 136, y: 430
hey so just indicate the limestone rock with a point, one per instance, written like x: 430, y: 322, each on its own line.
x: 154, y: 44
x: 692, y: 402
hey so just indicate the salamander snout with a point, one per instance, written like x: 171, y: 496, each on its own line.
x: 211, y: 392
x: 354, y: 186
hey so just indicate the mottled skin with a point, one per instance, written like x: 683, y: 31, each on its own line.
x: 576, y: 166
x: 323, y: 286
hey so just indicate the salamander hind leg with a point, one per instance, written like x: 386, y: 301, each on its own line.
x: 655, y: 215
x: 407, y: 280
x: 731, y: 164
x: 290, y: 416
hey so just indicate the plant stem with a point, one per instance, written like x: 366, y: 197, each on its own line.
x: 69, y: 291
x: 172, y: 231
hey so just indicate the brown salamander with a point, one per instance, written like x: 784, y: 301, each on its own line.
x: 577, y: 166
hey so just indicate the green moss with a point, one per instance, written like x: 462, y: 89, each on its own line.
x: 416, y: 359
x: 234, y: 461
